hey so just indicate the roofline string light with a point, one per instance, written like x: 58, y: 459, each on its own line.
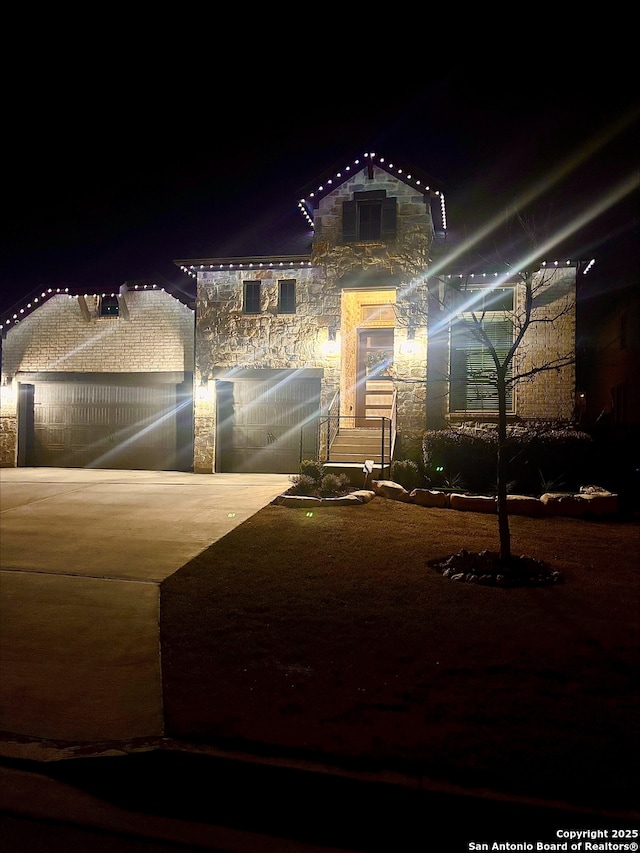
x: 345, y: 173
x: 37, y: 301
x: 543, y: 264
x: 194, y: 269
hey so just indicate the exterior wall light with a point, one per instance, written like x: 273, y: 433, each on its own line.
x: 332, y: 344
x: 410, y: 346
x: 8, y: 395
x: 203, y: 392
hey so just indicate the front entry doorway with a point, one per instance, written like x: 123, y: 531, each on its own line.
x: 374, y: 385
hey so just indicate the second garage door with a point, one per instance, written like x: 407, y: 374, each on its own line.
x: 114, y: 423
x: 267, y: 425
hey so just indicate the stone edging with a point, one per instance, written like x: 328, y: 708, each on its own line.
x: 362, y: 496
x: 594, y: 505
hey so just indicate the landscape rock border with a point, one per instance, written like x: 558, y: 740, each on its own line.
x: 486, y: 568
x: 593, y: 502
x: 357, y: 498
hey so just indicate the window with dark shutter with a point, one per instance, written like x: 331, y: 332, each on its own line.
x: 388, y: 225
x: 369, y: 220
x: 370, y: 216
x: 251, y: 303
x: 349, y: 221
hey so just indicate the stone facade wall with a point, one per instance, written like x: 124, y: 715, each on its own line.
x: 414, y: 215
x: 405, y: 260
x: 153, y: 334
x: 340, y: 278
x: 8, y: 429
x: 226, y: 338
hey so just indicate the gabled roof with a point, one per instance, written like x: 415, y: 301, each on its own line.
x: 450, y: 257
x: 13, y: 316
x: 420, y: 181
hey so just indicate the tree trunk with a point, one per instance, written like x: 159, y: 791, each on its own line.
x: 503, y: 514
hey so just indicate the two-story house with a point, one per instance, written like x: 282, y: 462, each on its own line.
x: 344, y: 352
x: 352, y: 350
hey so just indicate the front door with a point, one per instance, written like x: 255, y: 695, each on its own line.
x: 374, y: 394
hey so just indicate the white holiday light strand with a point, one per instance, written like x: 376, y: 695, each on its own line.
x: 371, y: 155
x: 36, y: 302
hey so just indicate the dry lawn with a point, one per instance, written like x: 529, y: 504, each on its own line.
x: 327, y: 636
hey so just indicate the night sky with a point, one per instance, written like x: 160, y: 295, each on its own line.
x: 111, y: 175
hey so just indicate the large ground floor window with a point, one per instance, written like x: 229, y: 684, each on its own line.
x: 472, y: 368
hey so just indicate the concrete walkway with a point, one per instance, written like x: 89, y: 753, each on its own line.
x: 82, y: 555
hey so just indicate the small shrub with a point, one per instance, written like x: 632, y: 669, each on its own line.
x: 302, y: 484
x: 311, y: 468
x: 452, y: 481
x: 471, y: 449
x: 333, y: 485
x: 405, y: 472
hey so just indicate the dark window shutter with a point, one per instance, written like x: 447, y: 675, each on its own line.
x: 389, y: 219
x: 349, y: 220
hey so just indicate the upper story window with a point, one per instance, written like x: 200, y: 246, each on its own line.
x: 251, y: 297
x: 472, y: 369
x: 370, y: 216
x: 109, y: 306
x: 287, y: 296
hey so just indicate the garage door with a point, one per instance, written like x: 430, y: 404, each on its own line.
x: 78, y: 425
x: 267, y: 426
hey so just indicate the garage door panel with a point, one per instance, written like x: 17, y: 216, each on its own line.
x: 109, y: 426
x: 266, y: 427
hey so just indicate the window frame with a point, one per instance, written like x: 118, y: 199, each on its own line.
x: 109, y: 307
x: 468, y: 354
x: 252, y: 297
x: 287, y: 301
x: 382, y: 228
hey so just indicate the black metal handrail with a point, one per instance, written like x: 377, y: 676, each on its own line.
x: 331, y: 425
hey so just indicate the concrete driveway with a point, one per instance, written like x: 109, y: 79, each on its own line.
x: 82, y: 555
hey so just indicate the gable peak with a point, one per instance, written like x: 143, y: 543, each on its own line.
x: 368, y: 161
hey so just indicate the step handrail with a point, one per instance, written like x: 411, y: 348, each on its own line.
x: 330, y: 426
x: 394, y: 422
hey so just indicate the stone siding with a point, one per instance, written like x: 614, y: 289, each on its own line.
x: 227, y: 338
x: 413, y: 214
x: 331, y: 291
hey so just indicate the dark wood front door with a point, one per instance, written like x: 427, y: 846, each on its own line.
x: 374, y: 389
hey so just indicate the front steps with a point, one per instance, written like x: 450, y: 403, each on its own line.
x: 356, y: 474
x: 352, y: 447
x: 356, y: 445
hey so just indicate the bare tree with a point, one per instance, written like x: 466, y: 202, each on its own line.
x: 543, y: 301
